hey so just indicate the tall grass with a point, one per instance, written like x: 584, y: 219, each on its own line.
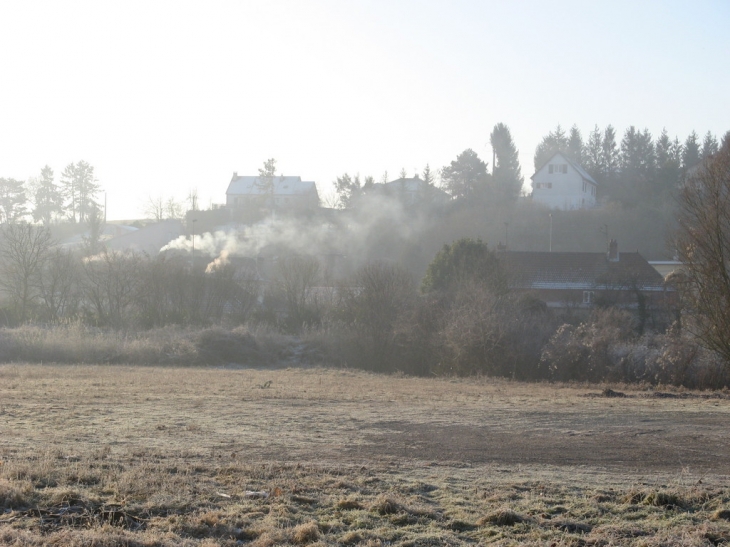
x: 75, y: 342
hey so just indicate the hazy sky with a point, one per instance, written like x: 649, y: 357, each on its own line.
x: 161, y: 97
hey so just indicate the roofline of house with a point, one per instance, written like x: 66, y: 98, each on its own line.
x: 585, y: 287
x: 571, y: 162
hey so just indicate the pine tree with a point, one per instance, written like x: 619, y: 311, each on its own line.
x: 79, y: 187
x: 593, y: 159
x: 507, y: 174
x: 48, y: 198
x: 12, y: 200
x: 349, y: 189
x: 553, y: 142
x: 691, y: 152
x: 576, y: 147
x: 637, y: 159
x: 668, y: 162
x: 709, y: 146
x: 466, y: 176
x: 609, y: 152
x: 428, y: 176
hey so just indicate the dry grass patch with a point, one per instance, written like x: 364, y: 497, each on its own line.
x: 146, y: 456
x: 501, y: 517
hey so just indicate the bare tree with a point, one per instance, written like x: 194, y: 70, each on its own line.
x: 703, y: 245
x: 193, y: 199
x: 154, y: 208
x: 24, y: 249
x: 59, y: 284
x: 173, y: 208
x: 110, y: 284
x: 381, y: 294
x: 296, y: 276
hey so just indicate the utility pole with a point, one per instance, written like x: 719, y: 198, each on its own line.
x: 551, y: 233
x: 194, y: 221
x: 506, y: 234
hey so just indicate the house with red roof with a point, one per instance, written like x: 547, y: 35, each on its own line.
x: 582, y: 280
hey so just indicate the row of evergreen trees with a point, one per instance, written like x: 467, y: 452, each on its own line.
x: 636, y: 168
x: 72, y: 198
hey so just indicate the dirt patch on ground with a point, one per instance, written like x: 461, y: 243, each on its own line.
x: 658, y: 444
x: 193, y: 456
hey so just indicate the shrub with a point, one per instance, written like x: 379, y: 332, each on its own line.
x: 584, y: 353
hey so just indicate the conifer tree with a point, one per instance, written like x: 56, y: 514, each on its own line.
x: 576, y: 147
x: 12, y: 200
x: 610, y: 153
x: 709, y: 146
x: 593, y: 159
x: 507, y: 174
x: 691, y: 151
x: 553, y: 142
x: 48, y: 198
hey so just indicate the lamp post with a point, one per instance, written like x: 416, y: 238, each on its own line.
x: 551, y: 233
x: 506, y: 234
x: 194, y: 221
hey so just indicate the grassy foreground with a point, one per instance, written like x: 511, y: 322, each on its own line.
x: 113, y: 455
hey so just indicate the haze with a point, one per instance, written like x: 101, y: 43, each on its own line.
x: 166, y: 96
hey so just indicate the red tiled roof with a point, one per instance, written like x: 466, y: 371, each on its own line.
x: 528, y: 270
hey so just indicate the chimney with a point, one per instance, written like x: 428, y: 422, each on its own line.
x: 613, y: 251
x: 235, y: 174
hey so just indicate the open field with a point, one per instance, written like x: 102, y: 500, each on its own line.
x: 113, y: 455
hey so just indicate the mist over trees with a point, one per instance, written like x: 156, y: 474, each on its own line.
x: 44, y: 199
x: 346, y: 279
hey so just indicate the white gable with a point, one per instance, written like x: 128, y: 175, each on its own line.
x: 563, y: 184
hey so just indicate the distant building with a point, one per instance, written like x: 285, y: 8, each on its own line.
x: 563, y: 184
x: 412, y: 191
x: 149, y: 239
x: 277, y: 192
x: 570, y: 280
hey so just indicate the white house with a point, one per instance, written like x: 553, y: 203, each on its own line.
x: 278, y: 191
x: 563, y: 184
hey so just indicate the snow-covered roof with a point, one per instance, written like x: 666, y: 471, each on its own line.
x: 258, y: 186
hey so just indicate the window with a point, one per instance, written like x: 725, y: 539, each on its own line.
x: 543, y: 185
x: 550, y: 168
x: 588, y: 297
x: 584, y: 186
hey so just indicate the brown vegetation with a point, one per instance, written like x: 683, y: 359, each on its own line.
x: 114, y: 455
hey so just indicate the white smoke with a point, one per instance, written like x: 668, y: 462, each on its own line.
x: 347, y: 233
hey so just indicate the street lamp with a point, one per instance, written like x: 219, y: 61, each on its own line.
x: 551, y: 232
x: 194, y: 221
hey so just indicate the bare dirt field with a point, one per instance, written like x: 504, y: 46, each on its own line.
x: 112, y: 455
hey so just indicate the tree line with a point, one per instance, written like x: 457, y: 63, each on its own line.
x: 466, y: 177
x: 72, y: 198
x: 637, y: 169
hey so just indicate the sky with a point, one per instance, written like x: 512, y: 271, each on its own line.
x: 163, y: 97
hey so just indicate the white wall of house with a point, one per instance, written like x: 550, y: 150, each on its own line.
x: 559, y: 185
